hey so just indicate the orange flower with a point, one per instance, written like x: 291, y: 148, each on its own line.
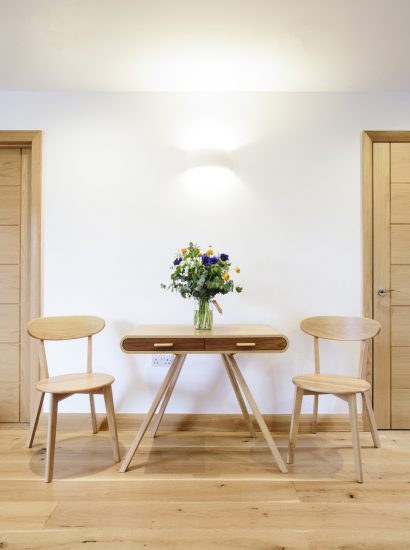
x: 209, y: 252
x: 226, y: 276
x: 238, y: 270
x: 184, y: 250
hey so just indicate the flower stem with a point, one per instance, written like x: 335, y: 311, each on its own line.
x: 203, y: 318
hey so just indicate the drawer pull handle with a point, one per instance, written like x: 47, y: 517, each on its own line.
x: 245, y: 344
x: 164, y: 345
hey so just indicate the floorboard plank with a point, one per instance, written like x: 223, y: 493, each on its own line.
x: 158, y: 490
x: 241, y: 516
x: 158, y: 539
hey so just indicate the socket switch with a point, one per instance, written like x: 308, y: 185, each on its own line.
x: 162, y: 360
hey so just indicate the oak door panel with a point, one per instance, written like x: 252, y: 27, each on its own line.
x: 9, y: 402
x: 400, y: 162
x: 9, y: 205
x: 400, y: 280
x: 400, y: 203
x: 10, y: 167
x: 400, y: 367
x: 400, y: 409
x: 9, y: 244
x: 9, y: 362
x: 400, y: 244
x: 400, y: 326
x: 9, y: 284
x: 9, y: 323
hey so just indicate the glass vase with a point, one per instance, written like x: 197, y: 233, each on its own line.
x: 203, y: 315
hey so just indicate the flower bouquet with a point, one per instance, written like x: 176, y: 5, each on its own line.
x: 202, y: 275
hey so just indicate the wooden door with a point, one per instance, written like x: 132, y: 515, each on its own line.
x: 391, y: 283
x: 14, y: 293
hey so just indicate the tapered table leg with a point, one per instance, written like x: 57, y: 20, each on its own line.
x: 239, y: 397
x: 167, y: 396
x: 258, y: 416
x: 137, y: 440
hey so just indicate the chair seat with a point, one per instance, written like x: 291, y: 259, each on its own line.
x: 331, y: 383
x: 74, y: 383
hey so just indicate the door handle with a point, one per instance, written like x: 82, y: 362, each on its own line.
x: 383, y: 291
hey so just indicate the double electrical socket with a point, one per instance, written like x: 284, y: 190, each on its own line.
x: 159, y: 360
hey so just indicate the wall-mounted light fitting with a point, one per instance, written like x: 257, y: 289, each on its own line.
x: 200, y: 158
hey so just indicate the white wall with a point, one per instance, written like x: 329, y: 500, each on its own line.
x: 116, y: 206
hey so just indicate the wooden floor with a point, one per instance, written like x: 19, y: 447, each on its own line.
x: 191, y: 490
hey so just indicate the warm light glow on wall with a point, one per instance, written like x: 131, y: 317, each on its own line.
x: 209, y: 182
x: 198, y: 158
x: 209, y: 172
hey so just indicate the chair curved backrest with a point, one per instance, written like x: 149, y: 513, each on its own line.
x: 341, y: 328
x: 344, y: 329
x: 68, y: 327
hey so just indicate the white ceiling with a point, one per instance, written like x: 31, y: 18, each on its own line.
x: 244, y: 45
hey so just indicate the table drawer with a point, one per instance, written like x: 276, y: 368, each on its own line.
x: 266, y: 343
x: 163, y: 345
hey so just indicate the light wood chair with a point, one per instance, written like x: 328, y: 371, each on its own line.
x: 344, y: 387
x: 61, y: 387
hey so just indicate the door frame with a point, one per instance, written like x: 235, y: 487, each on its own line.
x: 31, y: 260
x: 381, y: 393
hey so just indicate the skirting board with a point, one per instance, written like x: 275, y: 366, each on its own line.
x: 199, y: 422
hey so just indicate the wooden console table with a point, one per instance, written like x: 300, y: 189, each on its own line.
x: 225, y: 340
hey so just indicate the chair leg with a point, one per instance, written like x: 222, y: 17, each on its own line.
x: 294, y: 425
x: 373, y: 426
x: 93, y: 417
x: 51, y: 438
x: 35, y: 418
x: 315, y: 413
x: 112, y: 425
x: 351, y: 399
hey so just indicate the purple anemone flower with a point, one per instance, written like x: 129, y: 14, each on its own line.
x: 213, y: 260
x: 206, y: 260
x: 177, y: 261
x: 224, y: 257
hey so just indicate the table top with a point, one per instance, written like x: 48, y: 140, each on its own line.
x: 189, y: 331
x: 222, y: 338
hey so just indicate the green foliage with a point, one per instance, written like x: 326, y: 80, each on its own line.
x: 201, y: 275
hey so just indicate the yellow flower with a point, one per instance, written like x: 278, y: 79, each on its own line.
x: 184, y: 250
x: 199, y: 253
x: 226, y: 276
x: 238, y: 270
x: 209, y: 252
